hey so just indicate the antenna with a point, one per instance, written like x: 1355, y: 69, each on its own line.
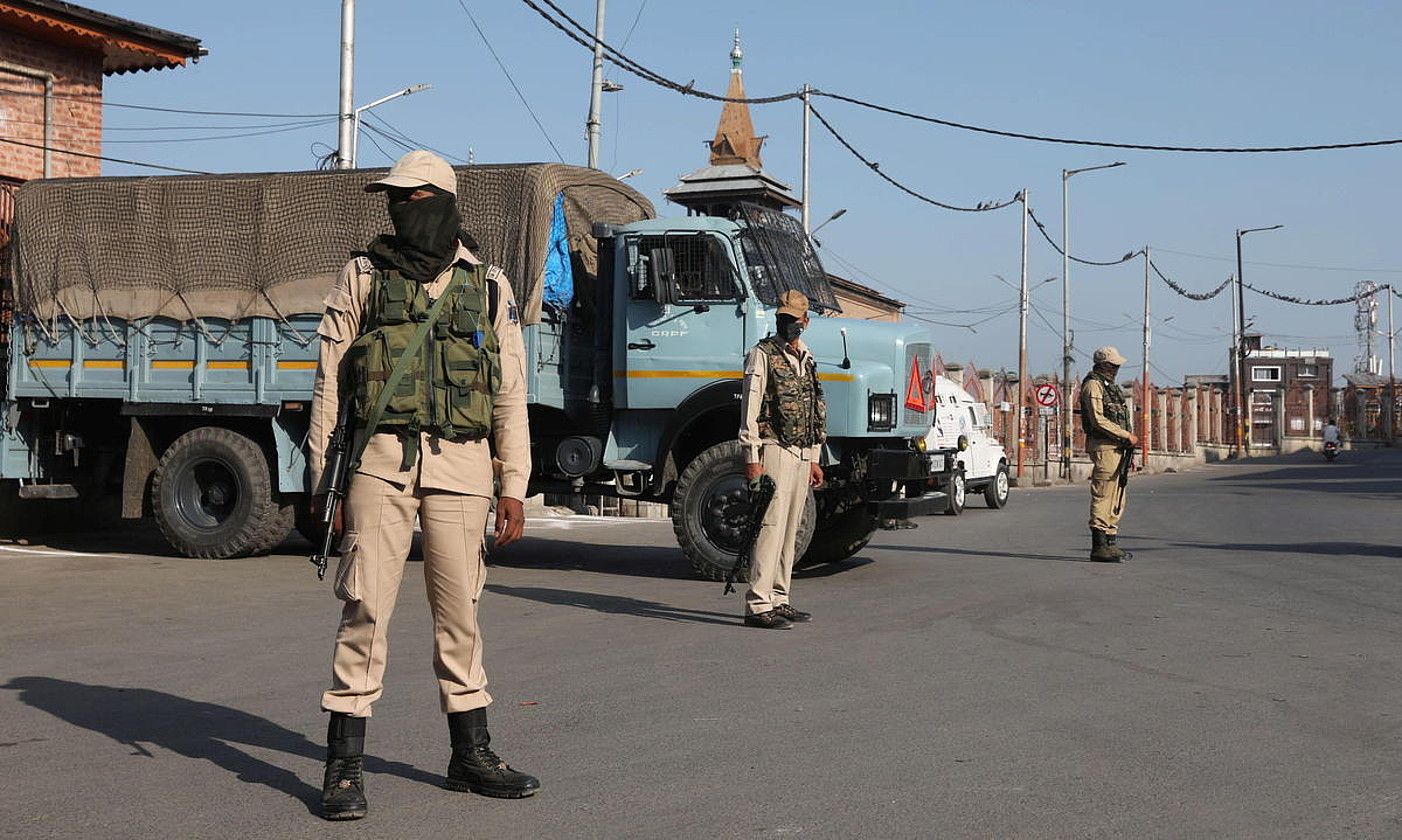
x: 1365, y: 322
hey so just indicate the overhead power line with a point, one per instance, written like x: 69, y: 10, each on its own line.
x: 1302, y: 301
x: 875, y: 167
x: 98, y: 100
x: 1083, y: 261
x: 236, y: 135
x: 72, y: 153
x: 585, y: 38
x: 1339, y: 268
x: 1184, y: 292
x: 519, y: 95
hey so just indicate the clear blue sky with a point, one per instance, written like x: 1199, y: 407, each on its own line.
x: 1196, y: 72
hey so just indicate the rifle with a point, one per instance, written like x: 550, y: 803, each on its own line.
x: 761, y: 494
x: 338, y: 471
x: 1122, y: 474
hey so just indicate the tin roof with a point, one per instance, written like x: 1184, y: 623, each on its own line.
x: 126, y: 45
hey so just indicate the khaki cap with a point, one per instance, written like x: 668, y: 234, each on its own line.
x: 418, y: 169
x: 793, y: 303
x: 1109, y: 355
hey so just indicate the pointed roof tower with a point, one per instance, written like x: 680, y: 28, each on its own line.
x: 735, y: 140
x: 735, y: 173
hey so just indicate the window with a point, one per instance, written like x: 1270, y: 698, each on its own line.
x: 1307, y: 371
x: 1265, y: 374
x: 702, y: 269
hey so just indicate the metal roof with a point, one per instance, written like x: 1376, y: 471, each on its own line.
x: 126, y: 45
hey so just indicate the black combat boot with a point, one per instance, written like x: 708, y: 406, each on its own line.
x: 474, y: 767
x: 1124, y: 555
x: 343, y: 790
x: 1100, y: 551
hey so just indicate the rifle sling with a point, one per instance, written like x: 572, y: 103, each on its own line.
x: 401, y: 367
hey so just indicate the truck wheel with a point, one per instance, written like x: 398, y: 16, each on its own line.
x: 839, y: 537
x: 996, y: 493
x: 956, y: 493
x: 709, y: 509
x: 213, y: 496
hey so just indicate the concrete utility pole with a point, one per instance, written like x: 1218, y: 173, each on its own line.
x: 1022, y: 343
x: 596, y: 86
x: 345, y: 113
x: 1066, y: 408
x: 1391, y: 373
x: 807, y: 112
x: 1144, y: 396
x: 1234, y: 371
x: 1243, y: 436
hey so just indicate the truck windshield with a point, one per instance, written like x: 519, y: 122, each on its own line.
x: 781, y: 257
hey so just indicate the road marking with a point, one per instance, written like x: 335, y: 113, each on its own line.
x: 50, y: 552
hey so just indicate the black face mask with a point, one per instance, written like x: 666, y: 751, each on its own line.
x: 425, y: 238
x: 789, y: 328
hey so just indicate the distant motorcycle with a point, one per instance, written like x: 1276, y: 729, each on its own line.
x: 1331, y: 450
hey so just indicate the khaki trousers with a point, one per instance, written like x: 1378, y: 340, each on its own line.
x: 379, y: 532
x: 771, y: 562
x: 1105, y: 492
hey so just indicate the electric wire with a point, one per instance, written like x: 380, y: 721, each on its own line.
x: 390, y: 129
x: 98, y: 100
x: 1301, y: 301
x: 371, y: 131
x: 875, y: 167
x: 1184, y: 292
x: 1072, y: 257
x: 1339, y: 268
x: 585, y: 38
x: 519, y: 95
x: 90, y: 156
x: 237, y: 135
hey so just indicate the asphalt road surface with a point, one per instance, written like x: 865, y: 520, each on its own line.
x: 972, y: 678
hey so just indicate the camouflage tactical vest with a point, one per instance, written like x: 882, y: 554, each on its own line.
x: 449, y: 387
x: 1113, y: 406
x: 794, y: 411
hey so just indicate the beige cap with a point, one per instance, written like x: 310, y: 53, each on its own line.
x: 1109, y: 355
x: 793, y: 303
x: 416, y: 169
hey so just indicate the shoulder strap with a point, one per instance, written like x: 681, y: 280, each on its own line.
x: 401, y: 365
x: 493, y: 294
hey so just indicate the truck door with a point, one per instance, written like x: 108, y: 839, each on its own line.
x: 684, y: 324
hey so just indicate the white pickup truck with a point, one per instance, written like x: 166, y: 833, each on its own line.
x: 965, y: 426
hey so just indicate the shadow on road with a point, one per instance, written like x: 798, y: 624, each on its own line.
x: 194, y: 729
x: 1333, y: 549
x: 654, y: 561
x: 613, y: 604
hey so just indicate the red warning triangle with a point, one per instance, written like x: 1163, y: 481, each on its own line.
x: 915, y: 391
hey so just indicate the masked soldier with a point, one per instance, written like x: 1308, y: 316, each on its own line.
x: 782, y: 429
x: 1110, y: 445
x: 426, y: 456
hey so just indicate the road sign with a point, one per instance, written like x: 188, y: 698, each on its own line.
x: 1046, y: 395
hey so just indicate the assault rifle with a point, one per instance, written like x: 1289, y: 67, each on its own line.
x: 1122, y: 473
x: 338, y: 470
x: 761, y: 494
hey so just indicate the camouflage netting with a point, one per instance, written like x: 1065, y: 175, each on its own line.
x: 233, y: 246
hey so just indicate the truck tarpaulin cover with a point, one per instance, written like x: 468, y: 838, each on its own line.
x: 233, y: 246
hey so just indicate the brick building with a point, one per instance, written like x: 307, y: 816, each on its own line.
x: 1287, y: 392
x: 53, y: 58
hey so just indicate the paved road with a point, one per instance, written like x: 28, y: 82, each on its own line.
x: 971, y: 678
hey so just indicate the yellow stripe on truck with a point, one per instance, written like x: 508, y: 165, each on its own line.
x: 715, y: 374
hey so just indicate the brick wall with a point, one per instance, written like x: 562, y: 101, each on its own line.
x: 77, y: 125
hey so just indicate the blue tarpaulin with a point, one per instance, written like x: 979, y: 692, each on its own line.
x: 559, y: 273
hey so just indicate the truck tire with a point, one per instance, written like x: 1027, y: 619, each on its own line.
x: 708, y: 509
x: 213, y: 496
x: 956, y: 493
x: 840, y: 537
x: 996, y: 493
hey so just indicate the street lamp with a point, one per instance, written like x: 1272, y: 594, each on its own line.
x: 1066, y: 410
x: 1243, y: 444
x: 837, y: 215
x: 632, y: 173
x: 355, y: 118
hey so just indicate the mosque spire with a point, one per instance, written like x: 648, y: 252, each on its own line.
x: 735, y: 141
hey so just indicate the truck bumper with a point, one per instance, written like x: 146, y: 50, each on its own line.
x: 927, y: 505
x: 912, y: 471
x: 898, y: 465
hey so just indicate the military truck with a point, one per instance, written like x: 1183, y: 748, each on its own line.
x: 163, y: 346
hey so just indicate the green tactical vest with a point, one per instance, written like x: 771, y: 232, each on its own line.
x: 1112, y: 406
x: 449, y: 388
x: 794, y: 411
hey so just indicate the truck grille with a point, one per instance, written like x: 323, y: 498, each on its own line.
x: 909, y: 416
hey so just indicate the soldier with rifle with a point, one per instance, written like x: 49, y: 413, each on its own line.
x: 783, y: 423
x: 1110, y: 445
x: 422, y: 355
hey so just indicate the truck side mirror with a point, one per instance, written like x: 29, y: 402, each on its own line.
x: 663, y: 271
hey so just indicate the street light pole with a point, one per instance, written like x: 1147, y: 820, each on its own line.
x: 807, y: 110
x: 836, y: 215
x: 596, y: 86
x: 344, y: 117
x: 1243, y: 431
x: 1391, y: 373
x: 1066, y: 408
x: 1144, y: 392
x: 355, y: 117
x: 1021, y: 343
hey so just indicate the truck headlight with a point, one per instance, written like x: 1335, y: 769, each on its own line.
x: 881, y: 412
x: 963, y: 442
x: 919, y: 443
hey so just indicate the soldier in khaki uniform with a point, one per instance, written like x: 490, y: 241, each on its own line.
x: 1105, y: 419
x: 782, y: 428
x: 426, y: 456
